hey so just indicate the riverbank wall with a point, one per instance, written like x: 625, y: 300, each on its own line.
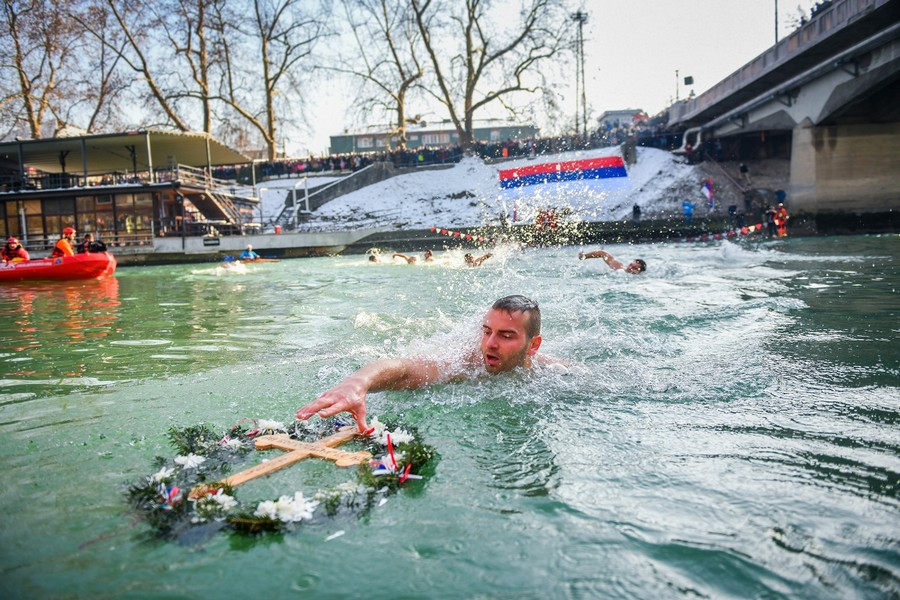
x: 303, y: 245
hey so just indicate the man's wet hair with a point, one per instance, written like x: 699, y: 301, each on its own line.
x: 517, y: 303
x: 642, y: 263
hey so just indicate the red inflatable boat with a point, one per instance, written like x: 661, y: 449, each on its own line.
x: 80, y: 266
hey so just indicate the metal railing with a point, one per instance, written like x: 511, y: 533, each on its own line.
x: 289, y: 211
x: 112, y: 240
x: 62, y: 181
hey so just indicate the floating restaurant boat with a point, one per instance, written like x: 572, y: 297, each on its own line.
x: 80, y: 266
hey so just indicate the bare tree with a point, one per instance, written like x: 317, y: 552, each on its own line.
x: 476, y: 62
x: 137, y: 23
x: 185, y: 25
x: 386, y: 58
x: 34, y: 56
x: 265, y: 59
x: 98, y: 84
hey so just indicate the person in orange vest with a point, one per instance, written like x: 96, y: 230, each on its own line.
x: 13, y: 251
x: 781, y: 217
x: 66, y: 244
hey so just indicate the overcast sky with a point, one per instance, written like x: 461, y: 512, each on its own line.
x: 632, y: 51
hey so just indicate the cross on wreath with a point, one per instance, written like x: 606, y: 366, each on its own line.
x: 297, y: 451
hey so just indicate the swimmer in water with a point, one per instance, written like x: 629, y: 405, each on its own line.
x: 510, y: 339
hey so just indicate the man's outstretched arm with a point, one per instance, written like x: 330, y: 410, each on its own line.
x: 350, y: 394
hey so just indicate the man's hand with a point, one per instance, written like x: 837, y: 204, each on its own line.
x: 350, y: 394
x: 343, y: 397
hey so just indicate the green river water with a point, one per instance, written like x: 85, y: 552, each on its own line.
x: 729, y: 428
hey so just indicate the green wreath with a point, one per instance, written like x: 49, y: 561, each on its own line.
x: 187, y: 492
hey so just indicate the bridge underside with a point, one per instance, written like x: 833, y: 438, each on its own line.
x: 840, y: 129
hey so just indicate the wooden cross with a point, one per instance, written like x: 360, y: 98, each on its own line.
x: 297, y: 451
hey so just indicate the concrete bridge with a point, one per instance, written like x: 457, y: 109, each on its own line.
x: 828, y: 98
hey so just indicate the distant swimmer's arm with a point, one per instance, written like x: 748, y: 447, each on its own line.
x: 350, y: 394
x: 408, y: 259
x: 481, y: 259
x: 606, y: 256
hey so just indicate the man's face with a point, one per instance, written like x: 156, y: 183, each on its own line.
x: 633, y: 267
x: 504, y: 343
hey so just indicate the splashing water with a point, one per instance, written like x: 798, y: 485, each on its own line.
x: 727, y: 426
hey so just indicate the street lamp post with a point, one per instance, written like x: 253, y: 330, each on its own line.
x: 776, y: 22
x: 580, y: 18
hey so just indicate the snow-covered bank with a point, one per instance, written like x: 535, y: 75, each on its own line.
x: 469, y: 195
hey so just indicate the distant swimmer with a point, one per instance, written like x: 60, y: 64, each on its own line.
x: 634, y: 267
x: 410, y: 260
x: 476, y: 262
x: 429, y: 256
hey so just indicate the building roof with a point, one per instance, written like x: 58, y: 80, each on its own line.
x: 621, y: 112
x: 443, y: 126
x: 105, y: 153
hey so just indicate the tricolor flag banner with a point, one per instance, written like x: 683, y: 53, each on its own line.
x: 581, y: 185
x: 607, y: 172
x: 708, y: 192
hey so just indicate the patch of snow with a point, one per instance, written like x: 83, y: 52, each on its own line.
x: 468, y: 194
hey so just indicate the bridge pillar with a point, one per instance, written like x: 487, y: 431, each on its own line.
x: 845, y: 168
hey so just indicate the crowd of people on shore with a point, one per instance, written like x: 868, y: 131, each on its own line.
x: 642, y: 132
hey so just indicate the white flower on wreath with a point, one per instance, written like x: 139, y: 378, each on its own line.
x: 224, y: 500
x: 191, y: 461
x: 400, y: 436
x: 266, y: 426
x: 162, y: 474
x: 287, y: 509
x: 233, y: 444
x: 213, y: 506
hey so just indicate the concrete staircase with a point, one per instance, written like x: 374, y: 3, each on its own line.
x: 366, y: 176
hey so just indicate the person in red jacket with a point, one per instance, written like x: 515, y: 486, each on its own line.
x: 66, y: 244
x: 781, y: 218
x: 13, y: 251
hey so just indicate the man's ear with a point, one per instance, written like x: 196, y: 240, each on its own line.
x: 534, y: 344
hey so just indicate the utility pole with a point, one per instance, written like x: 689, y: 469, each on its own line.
x: 580, y: 18
x: 776, y: 22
